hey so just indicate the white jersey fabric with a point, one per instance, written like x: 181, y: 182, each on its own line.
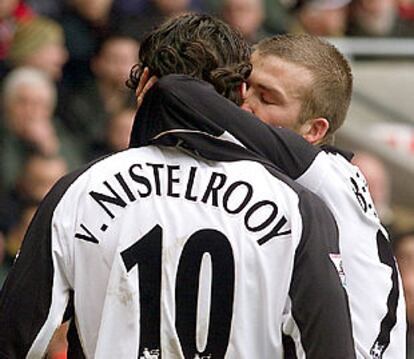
x: 175, y: 223
x: 372, y: 281
x: 171, y: 256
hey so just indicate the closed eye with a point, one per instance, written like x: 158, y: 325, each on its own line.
x: 266, y: 100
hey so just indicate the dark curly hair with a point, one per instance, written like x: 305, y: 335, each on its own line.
x: 197, y: 45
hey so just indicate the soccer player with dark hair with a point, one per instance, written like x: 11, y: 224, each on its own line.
x: 203, y: 47
x: 186, y: 245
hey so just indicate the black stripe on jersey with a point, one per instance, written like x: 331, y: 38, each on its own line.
x: 388, y: 322
x: 289, y: 351
x: 313, y: 302
x: 178, y: 102
x: 26, y: 296
x: 74, y: 345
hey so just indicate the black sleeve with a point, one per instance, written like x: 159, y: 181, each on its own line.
x: 319, y: 304
x: 179, y: 101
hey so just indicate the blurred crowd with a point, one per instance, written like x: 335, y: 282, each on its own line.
x: 63, y: 67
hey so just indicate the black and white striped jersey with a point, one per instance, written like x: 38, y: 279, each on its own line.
x: 372, y: 279
x: 373, y: 284
x: 169, y: 252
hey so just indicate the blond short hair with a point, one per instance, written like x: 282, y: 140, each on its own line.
x: 330, y: 92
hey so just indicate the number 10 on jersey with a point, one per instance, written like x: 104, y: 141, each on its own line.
x: 147, y: 254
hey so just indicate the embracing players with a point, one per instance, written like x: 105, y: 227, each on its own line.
x: 188, y: 244
x: 304, y: 84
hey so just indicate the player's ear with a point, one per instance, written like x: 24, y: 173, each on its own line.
x: 314, y: 130
x: 144, y: 85
x: 243, y: 90
x: 142, y: 81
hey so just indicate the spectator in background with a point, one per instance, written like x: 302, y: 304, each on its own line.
x: 278, y: 18
x: 87, y: 110
x: 86, y: 23
x: 117, y: 132
x: 276, y: 15
x: 372, y: 18
x: 37, y: 176
x: 246, y: 16
x: 50, y: 8
x: 129, y: 7
x: 381, y: 18
x: 12, y: 12
x: 15, y: 235
x: 153, y: 15
x: 321, y: 17
x: 171, y: 8
x: 405, y: 25
x: 29, y: 99
x: 18, y: 205
x: 406, y: 9
x: 404, y: 252
x: 39, y: 43
x: 138, y: 7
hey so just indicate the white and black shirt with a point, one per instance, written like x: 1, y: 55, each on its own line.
x: 204, y: 250
x: 372, y: 279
